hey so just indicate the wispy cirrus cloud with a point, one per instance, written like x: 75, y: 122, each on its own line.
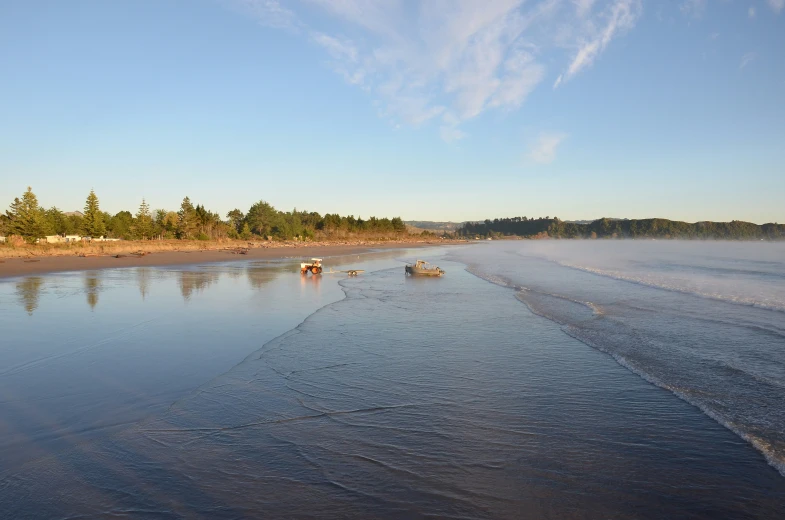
x: 452, y: 60
x: 270, y: 13
x: 694, y: 8
x: 619, y: 17
x: 345, y: 56
x: 776, y: 5
x: 747, y: 59
x: 697, y: 8
x: 543, y: 150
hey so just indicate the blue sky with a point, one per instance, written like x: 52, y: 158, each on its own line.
x: 435, y: 110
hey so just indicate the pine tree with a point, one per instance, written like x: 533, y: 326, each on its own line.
x: 144, y: 221
x: 245, y: 234
x: 26, y: 218
x: 94, y: 225
x: 186, y: 219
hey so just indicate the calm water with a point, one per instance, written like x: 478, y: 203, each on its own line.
x: 169, y: 393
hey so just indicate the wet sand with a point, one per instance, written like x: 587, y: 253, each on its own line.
x: 14, y: 267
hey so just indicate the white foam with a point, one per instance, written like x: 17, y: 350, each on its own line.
x: 753, y: 301
x: 768, y: 451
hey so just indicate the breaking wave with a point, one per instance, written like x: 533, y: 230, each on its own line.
x: 721, y: 389
x: 751, y: 301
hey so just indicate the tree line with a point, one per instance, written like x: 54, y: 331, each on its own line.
x: 28, y: 219
x: 623, y: 228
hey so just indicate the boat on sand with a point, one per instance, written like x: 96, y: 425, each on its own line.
x: 423, y: 268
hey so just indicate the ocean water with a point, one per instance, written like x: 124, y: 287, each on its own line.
x: 705, y: 320
x: 269, y: 395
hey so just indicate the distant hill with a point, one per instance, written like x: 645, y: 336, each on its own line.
x: 624, y: 228
x: 434, y: 226
x: 431, y: 225
x: 585, y: 222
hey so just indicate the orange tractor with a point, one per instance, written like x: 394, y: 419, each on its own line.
x: 314, y: 266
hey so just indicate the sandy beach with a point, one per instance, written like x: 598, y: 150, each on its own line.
x: 25, y: 266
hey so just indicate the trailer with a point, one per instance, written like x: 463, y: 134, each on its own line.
x: 350, y: 272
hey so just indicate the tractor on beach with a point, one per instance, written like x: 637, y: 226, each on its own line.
x: 314, y: 266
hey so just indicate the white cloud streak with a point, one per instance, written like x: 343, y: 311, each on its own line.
x: 543, y: 151
x: 619, y: 17
x: 697, y: 8
x: 344, y: 56
x: 776, y: 5
x: 339, y: 48
x: 450, y: 133
x: 694, y: 8
x: 747, y: 59
x: 270, y: 13
x: 583, y: 7
x: 452, y: 59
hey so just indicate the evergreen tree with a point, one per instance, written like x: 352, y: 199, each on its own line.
x: 144, y: 221
x: 203, y: 221
x: 236, y: 219
x: 121, y: 225
x: 261, y: 218
x: 26, y: 218
x: 398, y: 225
x: 186, y: 219
x: 56, y: 222
x: 245, y: 233
x: 94, y: 225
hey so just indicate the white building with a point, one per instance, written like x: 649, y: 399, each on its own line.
x: 70, y: 239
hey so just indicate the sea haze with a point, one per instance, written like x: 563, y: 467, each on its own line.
x: 396, y: 397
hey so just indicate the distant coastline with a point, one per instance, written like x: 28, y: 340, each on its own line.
x: 523, y: 227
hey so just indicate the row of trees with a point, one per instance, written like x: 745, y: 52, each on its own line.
x: 626, y: 228
x: 26, y: 218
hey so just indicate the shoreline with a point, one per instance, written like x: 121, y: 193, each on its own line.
x: 21, y: 266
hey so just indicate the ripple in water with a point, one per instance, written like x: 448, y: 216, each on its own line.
x: 706, y: 327
x: 410, y: 399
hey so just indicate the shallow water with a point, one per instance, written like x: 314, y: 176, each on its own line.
x: 703, y: 320
x: 399, y: 398
x: 86, y: 352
